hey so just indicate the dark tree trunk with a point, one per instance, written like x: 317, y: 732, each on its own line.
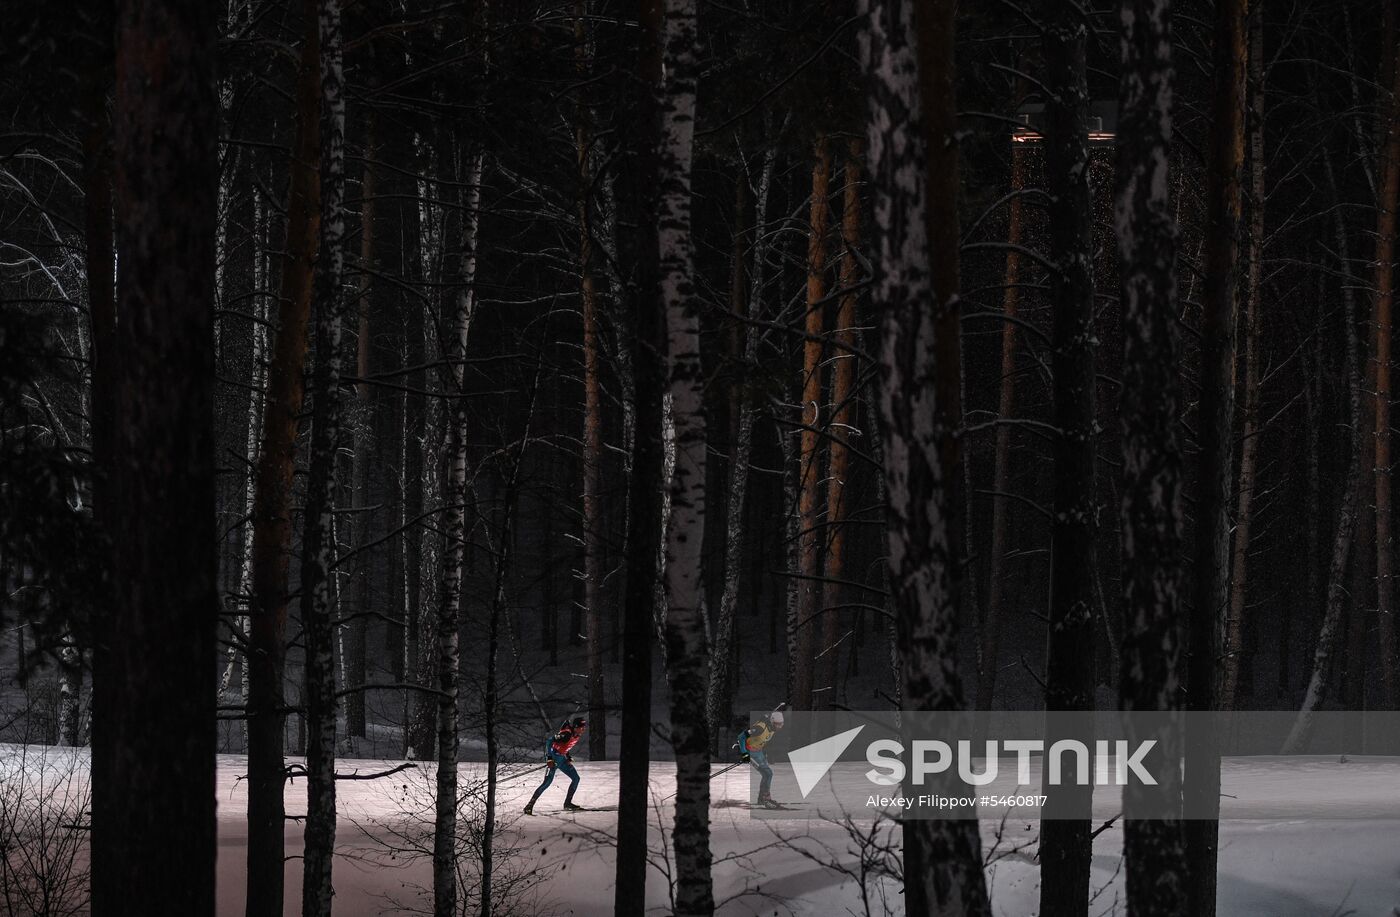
x: 720, y: 697
x: 272, y: 500
x: 843, y: 420
x: 1150, y: 407
x: 1348, y: 526
x: 644, y: 510
x: 362, y: 445
x: 155, y: 656
x: 803, y: 665
x: 1066, y: 847
x: 914, y: 175
x: 998, y: 583
x: 1211, y: 557
x: 1234, y: 663
x: 102, y: 314
x: 594, y: 518
x: 1383, y: 282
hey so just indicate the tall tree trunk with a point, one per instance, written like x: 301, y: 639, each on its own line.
x: 423, y: 430
x: 792, y: 526
x: 688, y: 652
x: 914, y: 176
x: 1383, y: 282
x: 1066, y: 847
x: 155, y: 654
x: 1151, y: 512
x: 362, y: 442
x: 810, y: 541
x: 998, y: 582
x: 1232, y: 659
x: 490, y: 699
x: 99, y: 269
x: 454, y: 560
x: 720, y: 696
x: 1330, y: 631
x: 272, y: 501
x: 98, y: 265
x: 594, y: 519
x: 1211, y: 556
x: 843, y: 421
x: 318, y: 542
x: 644, y: 507
x: 257, y: 403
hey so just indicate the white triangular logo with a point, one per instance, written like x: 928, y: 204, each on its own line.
x: 811, y: 762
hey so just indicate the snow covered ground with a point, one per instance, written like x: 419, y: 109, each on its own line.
x: 558, y: 863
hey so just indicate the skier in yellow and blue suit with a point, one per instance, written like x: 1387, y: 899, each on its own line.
x: 751, y: 744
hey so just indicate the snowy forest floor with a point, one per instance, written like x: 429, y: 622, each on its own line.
x: 558, y: 863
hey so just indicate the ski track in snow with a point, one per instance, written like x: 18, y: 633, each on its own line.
x: 1268, y: 868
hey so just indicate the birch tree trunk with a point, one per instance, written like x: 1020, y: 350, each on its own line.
x: 644, y: 508
x: 1150, y: 418
x: 688, y: 652
x: 1066, y: 847
x: 1211, y: 557
x: 423, y: 429
x: 1232, y: 659
x: 257, y: 390
x: 454, y: 562
x: 154, y: 662
x: 912, y: 81
x: 810, y: 540
x: 318, y: 541
x: 842, y: 427
x: 272, y: 511
x: 720, y: 698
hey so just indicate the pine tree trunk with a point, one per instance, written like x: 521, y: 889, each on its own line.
x: 1387, y: 202
x: 842, y: 427
x: 318, y: 541
x: 1066, y: 847
x: 272, y: 501
x: 1232, y: 659
x: 720, y: 695
x: 810, y: 541
x: 1150, y: 412
x: 647, y: 481
x: 594, y: 518
x: 154, y: 658
x: 914, y: 175
x: 989, y: 649
x: 1211, y: 557
x: 688, y: 651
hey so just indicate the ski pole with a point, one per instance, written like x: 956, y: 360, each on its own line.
x: 712, y: 777
x: 538, y: 767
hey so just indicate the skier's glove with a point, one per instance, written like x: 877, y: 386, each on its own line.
x: 744, y: 758
x: 569, y: 759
